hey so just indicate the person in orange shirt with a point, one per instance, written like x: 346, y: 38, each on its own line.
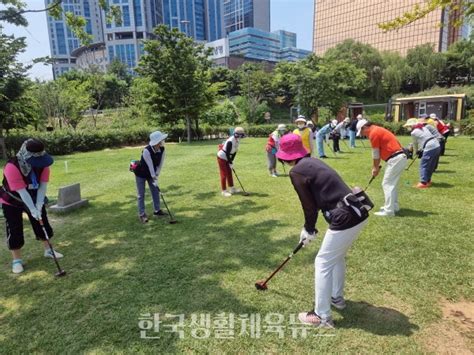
x: 385, y: 146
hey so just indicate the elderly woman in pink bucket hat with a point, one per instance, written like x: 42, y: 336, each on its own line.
x: 320, y: 188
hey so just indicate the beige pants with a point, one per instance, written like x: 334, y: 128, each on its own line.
x: 393, y: 170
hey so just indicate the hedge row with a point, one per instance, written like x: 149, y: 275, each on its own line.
x: 66, y: 142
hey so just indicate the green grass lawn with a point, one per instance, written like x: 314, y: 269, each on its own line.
x: 400, y: 270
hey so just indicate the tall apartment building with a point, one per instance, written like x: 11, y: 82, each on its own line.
x: 62, y: 41
x: 240, y: 14
x: 338, y: 20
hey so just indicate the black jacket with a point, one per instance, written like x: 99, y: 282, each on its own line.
x: 319, y: 187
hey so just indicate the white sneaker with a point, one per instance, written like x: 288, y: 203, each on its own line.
x: 226, y: 193
x: 49, y: 254
x: 17, y: 266
x: 397, y: 209
x: 274, y: 175
x: 384, y: 214
x: 233, y: 190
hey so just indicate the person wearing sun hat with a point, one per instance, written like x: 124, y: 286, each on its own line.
x: 305, y: 132
x: 147, y: 171
x: 225, y: 160
x: 320, y: 188
x: 25, y: 181
x: 272, y: 147
x: 426, y: 145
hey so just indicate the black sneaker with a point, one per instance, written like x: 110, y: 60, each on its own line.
x: 160, y: 213
x: 323, y: 157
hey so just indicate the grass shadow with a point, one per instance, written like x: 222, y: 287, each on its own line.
x: 443, y: 185
x: 445, y: 172
x: 407, y: 212
x: 376, y: 320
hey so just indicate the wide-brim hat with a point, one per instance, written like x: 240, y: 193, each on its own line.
x: 300, y: 119
x: 156, y: 137
x: 412, y: 122
x: 347, y: 120
x: 291, y: 148
x: 41, y: 162
x: 361, y: 124
x: 281, y: 127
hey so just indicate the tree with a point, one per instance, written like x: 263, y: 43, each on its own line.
x: 180, y: 68
x: 465, y: 8
x: 120, y: 70
x: 459, y: 67
x: 256, y: 86
x: 424, y: 66
x: 325, y: 83
x: 15, y: 11
x: 229, y: 81
x: 73, y: 100
x: 365, y: 57
x: 394, y: 73
x: 283, y: 77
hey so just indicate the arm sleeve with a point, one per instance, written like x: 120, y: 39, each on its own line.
x: 415, y: 142
x: 162, y: 162
x: 41, y: 193
x: 228, y: 149
x: 149, y: 162
x: 375, y: 153
x: 310, y: 208
x: 26, y: 198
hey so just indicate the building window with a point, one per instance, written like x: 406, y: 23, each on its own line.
x: 126, y: 15
x: 137, y: 10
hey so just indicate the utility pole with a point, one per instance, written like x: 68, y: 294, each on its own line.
x: 186, y: 113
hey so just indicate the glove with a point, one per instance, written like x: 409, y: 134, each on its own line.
x: 306, y: 237
x: 231, y: 165
x: 35, y: 213
x: 419, y: 153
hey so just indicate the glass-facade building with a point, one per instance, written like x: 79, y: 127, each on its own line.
x: 338, y: 20
x: 63, y: 41
x: 255, y: 44
x: 239, y: 14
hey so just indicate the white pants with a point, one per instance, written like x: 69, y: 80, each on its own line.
x: 330, y: 267
x: 393, y: 170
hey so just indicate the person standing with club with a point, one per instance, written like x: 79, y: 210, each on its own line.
x: 444, y: 130
x: 385, y: 146
x: 305, y: 133
x: 147, y: 171
x: 352, y: 132
x: 225, y: 160
x: 336, y: 134
x: 320, y: 188
x: 426, y: 145
x: 25, y: 181
x: 272, y: 147
x: 321, y: 137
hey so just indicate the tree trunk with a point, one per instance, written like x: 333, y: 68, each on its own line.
x: 197, y: 129
x: 2, y: 143
x: 188, y: 127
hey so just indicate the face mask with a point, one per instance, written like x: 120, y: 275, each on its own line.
x: 301, y: 126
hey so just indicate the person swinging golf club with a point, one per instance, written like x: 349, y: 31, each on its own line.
x: 320, y: 188
x: 385, y: 146
x: 147, y: 171
x: 225, y: 160
x: 25, y: 181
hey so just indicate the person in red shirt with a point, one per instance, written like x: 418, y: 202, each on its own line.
x: 443, y: 129
x: 25, y: 180
x: 385, y: 146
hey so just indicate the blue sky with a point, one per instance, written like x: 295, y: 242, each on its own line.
x: 290, y: 15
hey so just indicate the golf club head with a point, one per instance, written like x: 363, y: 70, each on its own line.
x: 246, y: 194
x: 60, y: 273
x: 261, y: 285
x: 173, y: 221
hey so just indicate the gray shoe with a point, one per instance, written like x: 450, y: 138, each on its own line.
x: 338, y: 303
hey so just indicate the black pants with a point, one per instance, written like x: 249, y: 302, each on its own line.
x: 14, y: 226
x: 335, y: 142
x: 443, y: 143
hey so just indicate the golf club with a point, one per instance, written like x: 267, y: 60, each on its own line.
x: 245, y: 193
x: 344, y: 141
x: 362, y: 141
x: 261, y: 285
x: 283, y: 166
x: 371, y: 179
x: 172, y: 220
x: 409, y: 166
x: 333, y: 152
x: 60, y: 271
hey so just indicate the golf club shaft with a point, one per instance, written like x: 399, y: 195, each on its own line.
x: 343, y: 141
x: 333, y: 152
x: 298, y: 247
x: 371, y: 179
x: 49, y: 244
x: 166, y: 205
x: 243, y: 190
x: 284, y: 170
x: 409, y: 166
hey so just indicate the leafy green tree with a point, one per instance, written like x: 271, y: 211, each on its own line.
x: 325, y: 83
x: 466, y: 8
x: 229, y: 81
x: 256, y: 87
x: 424, y: 66
x: 283, y: 77
x: 394, y: 73
x: 120, y: 70
x: 459, y: 67
x: 142, y: 101
x: 365, y: 57
x: 180, y: 68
